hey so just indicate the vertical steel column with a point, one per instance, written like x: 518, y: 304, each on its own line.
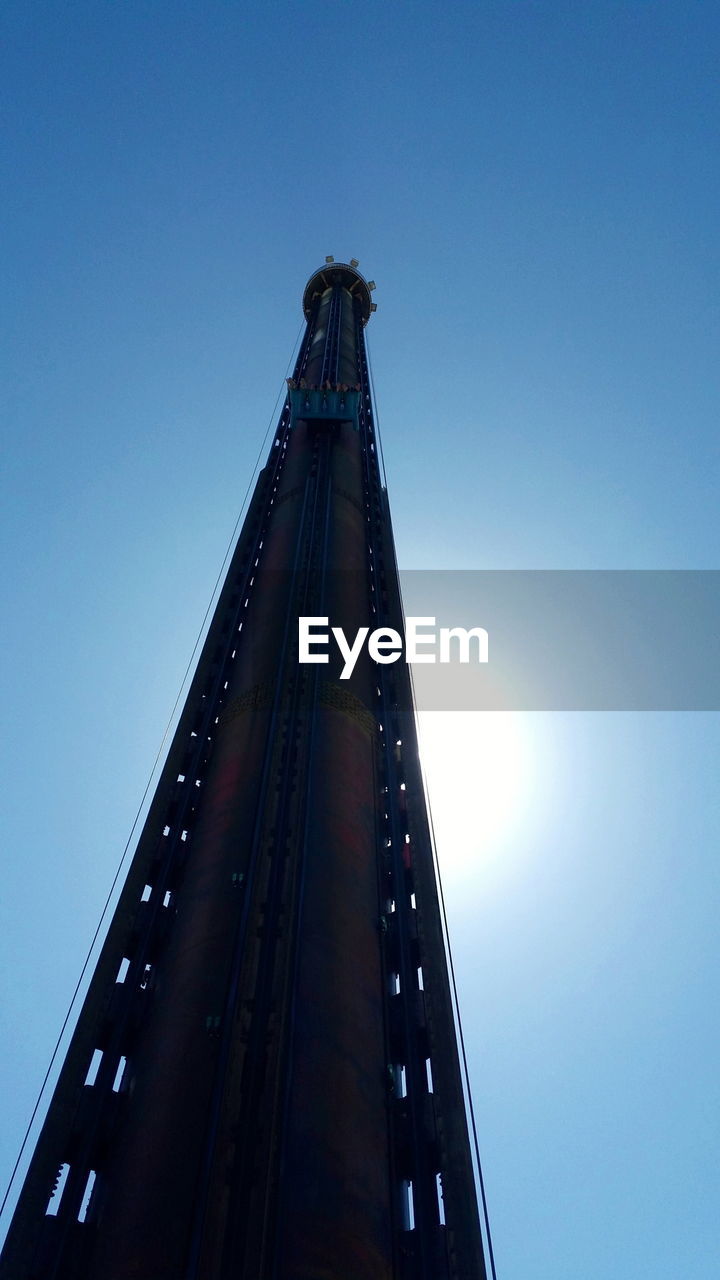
x: 430, y: 1139
x: 274, y: 1106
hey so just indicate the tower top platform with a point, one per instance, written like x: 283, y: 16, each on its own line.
x: 345, y: 274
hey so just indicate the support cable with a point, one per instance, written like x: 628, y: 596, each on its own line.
x: 456, y: 1002
x: 136, y: 819
x: 376, y: 419
x: 463, y: 1053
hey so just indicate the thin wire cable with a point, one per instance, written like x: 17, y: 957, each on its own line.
x: 148, y: 784
x: 463, y: 1054
x: 466, y: 1072
x: 376, y: 419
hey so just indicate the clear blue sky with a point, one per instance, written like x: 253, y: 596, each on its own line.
x: 534, y: 187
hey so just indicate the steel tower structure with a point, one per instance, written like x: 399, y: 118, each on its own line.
x: 264, y: 1080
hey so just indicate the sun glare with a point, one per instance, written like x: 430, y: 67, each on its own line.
x: 477, y: 767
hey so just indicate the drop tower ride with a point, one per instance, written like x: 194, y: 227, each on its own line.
x: 264, y: 1081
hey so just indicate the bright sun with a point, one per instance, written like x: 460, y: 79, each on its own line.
x: 477, y: 767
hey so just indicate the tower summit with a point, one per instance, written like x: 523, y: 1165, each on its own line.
x: 264, y: 1080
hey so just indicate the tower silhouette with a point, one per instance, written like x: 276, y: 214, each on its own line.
x: 264, y: 1081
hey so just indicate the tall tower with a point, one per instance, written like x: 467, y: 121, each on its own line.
x: 264, y: 1080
